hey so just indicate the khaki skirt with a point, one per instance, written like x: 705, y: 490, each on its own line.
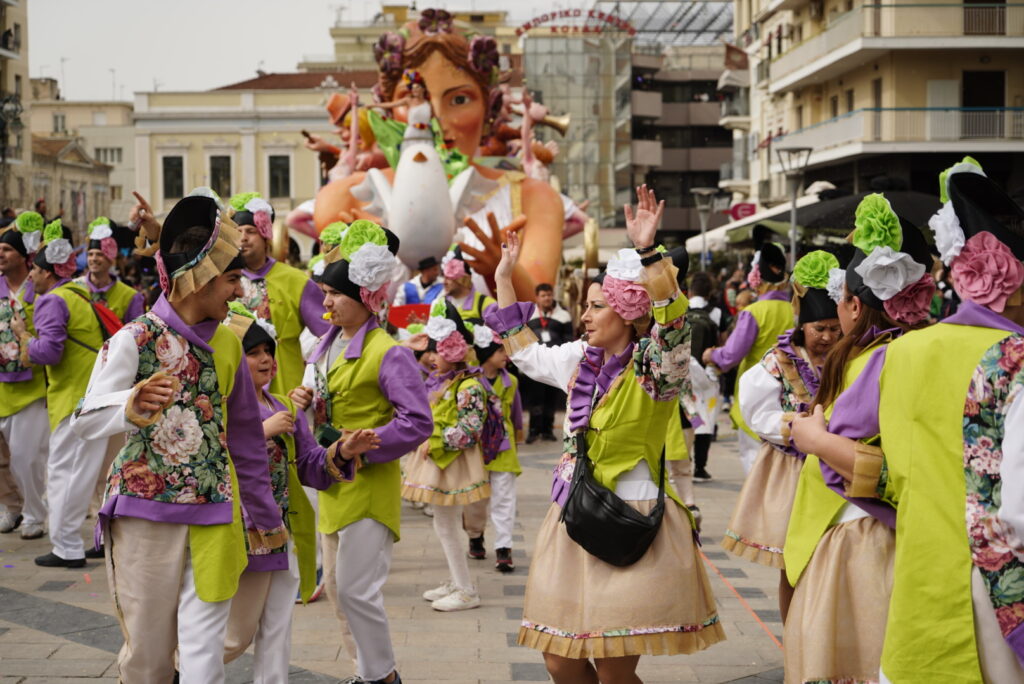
x: 462, y: 482
x: 836, y: 623
x: 757, y: 528
x: 578, y: 606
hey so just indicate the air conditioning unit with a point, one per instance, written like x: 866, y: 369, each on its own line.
x: 816, y: 9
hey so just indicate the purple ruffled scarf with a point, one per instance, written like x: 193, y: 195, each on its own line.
x: 594, y: 373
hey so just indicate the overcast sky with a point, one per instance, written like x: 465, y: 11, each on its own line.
x: 193, y: 44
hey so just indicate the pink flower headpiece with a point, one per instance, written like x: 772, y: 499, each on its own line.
x: 628, y: 299
x: 912, y: 304
x: 986, y: 272
x: 454, y: 268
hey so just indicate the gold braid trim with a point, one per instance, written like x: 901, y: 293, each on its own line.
x: 216, y: 261
x: 792, y: 375
x: 660, y: 281
x: 521, y: 340
x: 262, y: 542
x: 867, y: 467
x: 331, y: 463
x: 140, y: 420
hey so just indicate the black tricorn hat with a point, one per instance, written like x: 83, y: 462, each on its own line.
x: 981, y: 205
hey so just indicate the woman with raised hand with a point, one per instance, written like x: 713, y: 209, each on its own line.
x: 588, y: 594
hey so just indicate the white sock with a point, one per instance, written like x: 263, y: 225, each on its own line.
x: 448, y: 526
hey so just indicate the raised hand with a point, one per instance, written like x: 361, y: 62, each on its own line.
x: 278, y: 424
x: 142, y: 217
x: 642, y: 225
x: 503, y: 286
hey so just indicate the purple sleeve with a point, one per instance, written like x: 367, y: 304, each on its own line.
x: 136, y: 307
x: 309, y: 459
x: 402, y: 384
x: 248, y: 449
x: 503, y: 320
x: 517, y: 412
x: 490, y: 309
x: 739, y: 343
x: 51, y: 323
x: 311, y: 308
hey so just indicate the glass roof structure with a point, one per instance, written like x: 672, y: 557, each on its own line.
x: 672, y: 22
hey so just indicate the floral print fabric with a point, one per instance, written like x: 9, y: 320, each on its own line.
x: 10, y: 350
x: 182, y: 458
x: 470, y: 416
x: 255, y: 297
x: 661, y: 361
x: 995, y: 547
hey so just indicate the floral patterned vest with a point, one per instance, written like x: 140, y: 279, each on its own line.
x: 20, y: 385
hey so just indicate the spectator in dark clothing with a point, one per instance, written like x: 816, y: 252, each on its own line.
x: 704, y: 319
x: 553, y: 326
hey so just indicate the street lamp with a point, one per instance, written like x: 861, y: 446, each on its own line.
x: 704, y: 197
x: 794, y: 161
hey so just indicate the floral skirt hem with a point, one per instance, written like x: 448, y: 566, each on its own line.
x: 673, y: 642
x: 462, y: 482
x: 417, y: 493
x: 741, y: 548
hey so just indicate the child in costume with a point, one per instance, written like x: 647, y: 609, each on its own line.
x: 623, y: 390
x: 447, y: 471
x: 22, y: 385
x: 460, y: 290
x: 503, y: 468
x: 782, y: 385
x: 126, y: 302
x: 360, y: 378
x: 946, y: 402
x: 261, y: 611
x: 175, y: 380
x: 839, y: 546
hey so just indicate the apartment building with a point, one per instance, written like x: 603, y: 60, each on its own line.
x: 16, y: 157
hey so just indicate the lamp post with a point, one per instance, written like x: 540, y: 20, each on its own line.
x: 704, y: 198
x: 10, y: 122
x: 794, y: 161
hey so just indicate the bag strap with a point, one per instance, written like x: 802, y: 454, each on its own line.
x: 103, y: 328
x: 80, y: 343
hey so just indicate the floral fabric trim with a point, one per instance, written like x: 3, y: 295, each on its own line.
x: 446, y: 492
x: 470, y: 419
x: 10, y: 345
x: 746, y: 542
x: 624, y: 631
x: 255, y: 297
x: 661, y: 361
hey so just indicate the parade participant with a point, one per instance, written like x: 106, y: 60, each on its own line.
x: 261, y: 610
x: 780, y: 386
x: 175, y: 381
x: 757, y: 328
x: 329, y: 239
x: 460, y: 290
x: 425, y: 287
x: 23, y: 421
x: 447, y: 471
x: 622, y: 386
x: 126, y: 302
x: 839, y: 547
x: 502, y: 393
x: 553, y: 326
x: 275, y: 291
x: 946, y: 402
x: 68, y: 337
x: 705, y: 321
x: 359, y: 378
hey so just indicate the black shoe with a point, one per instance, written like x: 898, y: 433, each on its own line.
x: 504, y: 560
x: 95, y: 553
x: 532, y: 437
x: 476, y: 548
x: 52, y: 560
x: 549, y: 437
x: 701, y: 475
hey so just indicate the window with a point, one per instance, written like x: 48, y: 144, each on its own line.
x: 695, y: 136
x: 174, y: 177
x: 108, y: 155
x: 17, y: 85
x: 99, y: 118
x: 690, y: 91
x: 220, y: 175
x: 834, y: 105
x: 849, y: 100
x: 115, y: 193
x: 280, y: 175
x: 58, y: 123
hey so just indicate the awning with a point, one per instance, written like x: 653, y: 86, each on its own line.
x: 716, y: 241
x: 732, y: 79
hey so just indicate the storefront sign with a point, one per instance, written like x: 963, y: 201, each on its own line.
x: 742, y: 210
x: 559, y: 15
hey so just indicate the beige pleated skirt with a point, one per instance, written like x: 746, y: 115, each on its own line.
x: 462, y: 482
x: 578, y: 606
x: 757, y: 528
x: 836, y: 623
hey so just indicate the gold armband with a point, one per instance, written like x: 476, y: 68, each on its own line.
x: 867, y: 468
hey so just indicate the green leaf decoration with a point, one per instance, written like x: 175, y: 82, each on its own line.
x: 332, y: 234
x: 54, y: 231
x: 358, y: 234
x: 469, y: 326
x: 877, y: 225
x: 239, y: 308
x: 943, y: 194
x: 416, y: 328
x: 439, y: 307
x: 99, y: 221
x: 1008, y: 587
x: 29, y: 221
x: 241, y: 199
x: 812, y: 269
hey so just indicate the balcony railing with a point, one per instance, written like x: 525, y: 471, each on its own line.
x: 903, y: 21
x: 734, y: 171
x: 738, y: 105
x: 763, y: 71
x: 901, y: 125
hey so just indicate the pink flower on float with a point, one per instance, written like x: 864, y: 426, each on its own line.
x: 374, y: 300
x: 453, y: 348
x: 754, y: 277
x: 454, y: 269
x: 629, y: 300
x: 912, y: 304
x: 986, y: 272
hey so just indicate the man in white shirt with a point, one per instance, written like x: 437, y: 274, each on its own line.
x: 423, y: 288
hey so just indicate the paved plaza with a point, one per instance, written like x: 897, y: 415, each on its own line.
x: 58, y: 625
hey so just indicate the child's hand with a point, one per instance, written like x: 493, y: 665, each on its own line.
x: 278, y: 424
x: 358, y: 442
x: 302, y: 397
x: 155, y: 395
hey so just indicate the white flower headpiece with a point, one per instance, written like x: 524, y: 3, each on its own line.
x: 625, y: 265
x: 949, y: 234
x: 318, y: 268
x: 58, y: 251
x: 101, y: 231
x: 836, y: 281
x: 31, y: 240
x: 267, y: 326
x: 483, y: 336
x: 439, y: 328
x: 371, y: 266
x: 886, y: 272
x: 259, y: 204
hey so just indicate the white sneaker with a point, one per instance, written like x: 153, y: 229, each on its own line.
x: 428, y: 511
x: 460, y: 599
x: 440, y: 592
x: 32, y: 530
x: 9, y: 522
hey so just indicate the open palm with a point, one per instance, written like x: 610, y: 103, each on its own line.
x: 642, y: 223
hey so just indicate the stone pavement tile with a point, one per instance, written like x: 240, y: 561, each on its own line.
x: 421, y: 654
x: 69, y: 651
x: 89, y: 667
x: 453, y: 671
x: 65, y: 680
x: 725, y: 673
x: 20, y: 635
x: 770, y: 677
x: 664, y: 670
x: 327, y: 651
x: 21, y: 651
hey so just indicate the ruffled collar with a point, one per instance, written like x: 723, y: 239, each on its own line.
x: 810, y: 374
x: 594, y: 378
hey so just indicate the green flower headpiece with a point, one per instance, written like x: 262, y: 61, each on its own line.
x: 237, y: 307
x: 812, y: 270
x: 439, y: 307
x: 332, y: 234
x: 29, y: 221
x: 943, y: 188
x: 54, y: 231
x: 416, y: 328
x: 358, y: 234
x: 99, y: 221
x: 239, y: 201
x: 876, y: 225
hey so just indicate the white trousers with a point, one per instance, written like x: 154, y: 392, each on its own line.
x: 201, y: 630
x: 73, y: 467
x: 749, y: 448
x: 501, y: 507
x: 361, y: 568
x: 27, y: 434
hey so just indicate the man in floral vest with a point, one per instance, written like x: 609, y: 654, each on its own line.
x: 176, y: 381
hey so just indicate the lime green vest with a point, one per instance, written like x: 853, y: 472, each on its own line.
x: 445, y: 411
x: 301, y: 518
x: 118, y: 298
x: 69, y: 377
x: 507, y: 461
x: 773, y: 318
x: 15, y: 396
x: 357, y: 402
x: 285, y: 285
x: 929, y: 636
x: 675, y: 441
x: 815, y: 506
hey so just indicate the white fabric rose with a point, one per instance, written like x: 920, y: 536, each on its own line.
x: 836, y: 281
x: 371, y: 266
x: 949, y: 235
x: 483, y: 336
x: 318, y: 268
x: 886, y: 272
x: 625, y: 265
x: 439, y: 327
x: 58, y: 251
x: 207, y: 191
x: 32, y: 240
x: 101, y: 231
x: 259, y: 204
x: 268, y: 327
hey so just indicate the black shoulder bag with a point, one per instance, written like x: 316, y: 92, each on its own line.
x: 602, y: 523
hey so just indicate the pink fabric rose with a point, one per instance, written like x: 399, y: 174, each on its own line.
x: 754, y: 277
x: 161, y: 271
x: 374, y: 299
x: 453, y: 348
x: 108, y: 246
x: 261, y: 220
x: 986, y: 272
x: 67, y: 269
x: 628, y: 299
x: 454, y: 269
x: 912, y: 304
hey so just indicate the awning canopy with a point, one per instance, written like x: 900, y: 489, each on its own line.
x: 732, y: 79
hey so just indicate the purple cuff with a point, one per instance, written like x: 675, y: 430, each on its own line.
x: 402, y: 384
x: 18, y: 376
x: 503, y: 320
x: 268, y: 562
x: 51, y: 322
x: 739, y: 344
x: 1015, y: 639
x: 136, y: 307
x: 491, y: 308
x: 123, y: 506
x: 559, y: 490
x: 311, y: 308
